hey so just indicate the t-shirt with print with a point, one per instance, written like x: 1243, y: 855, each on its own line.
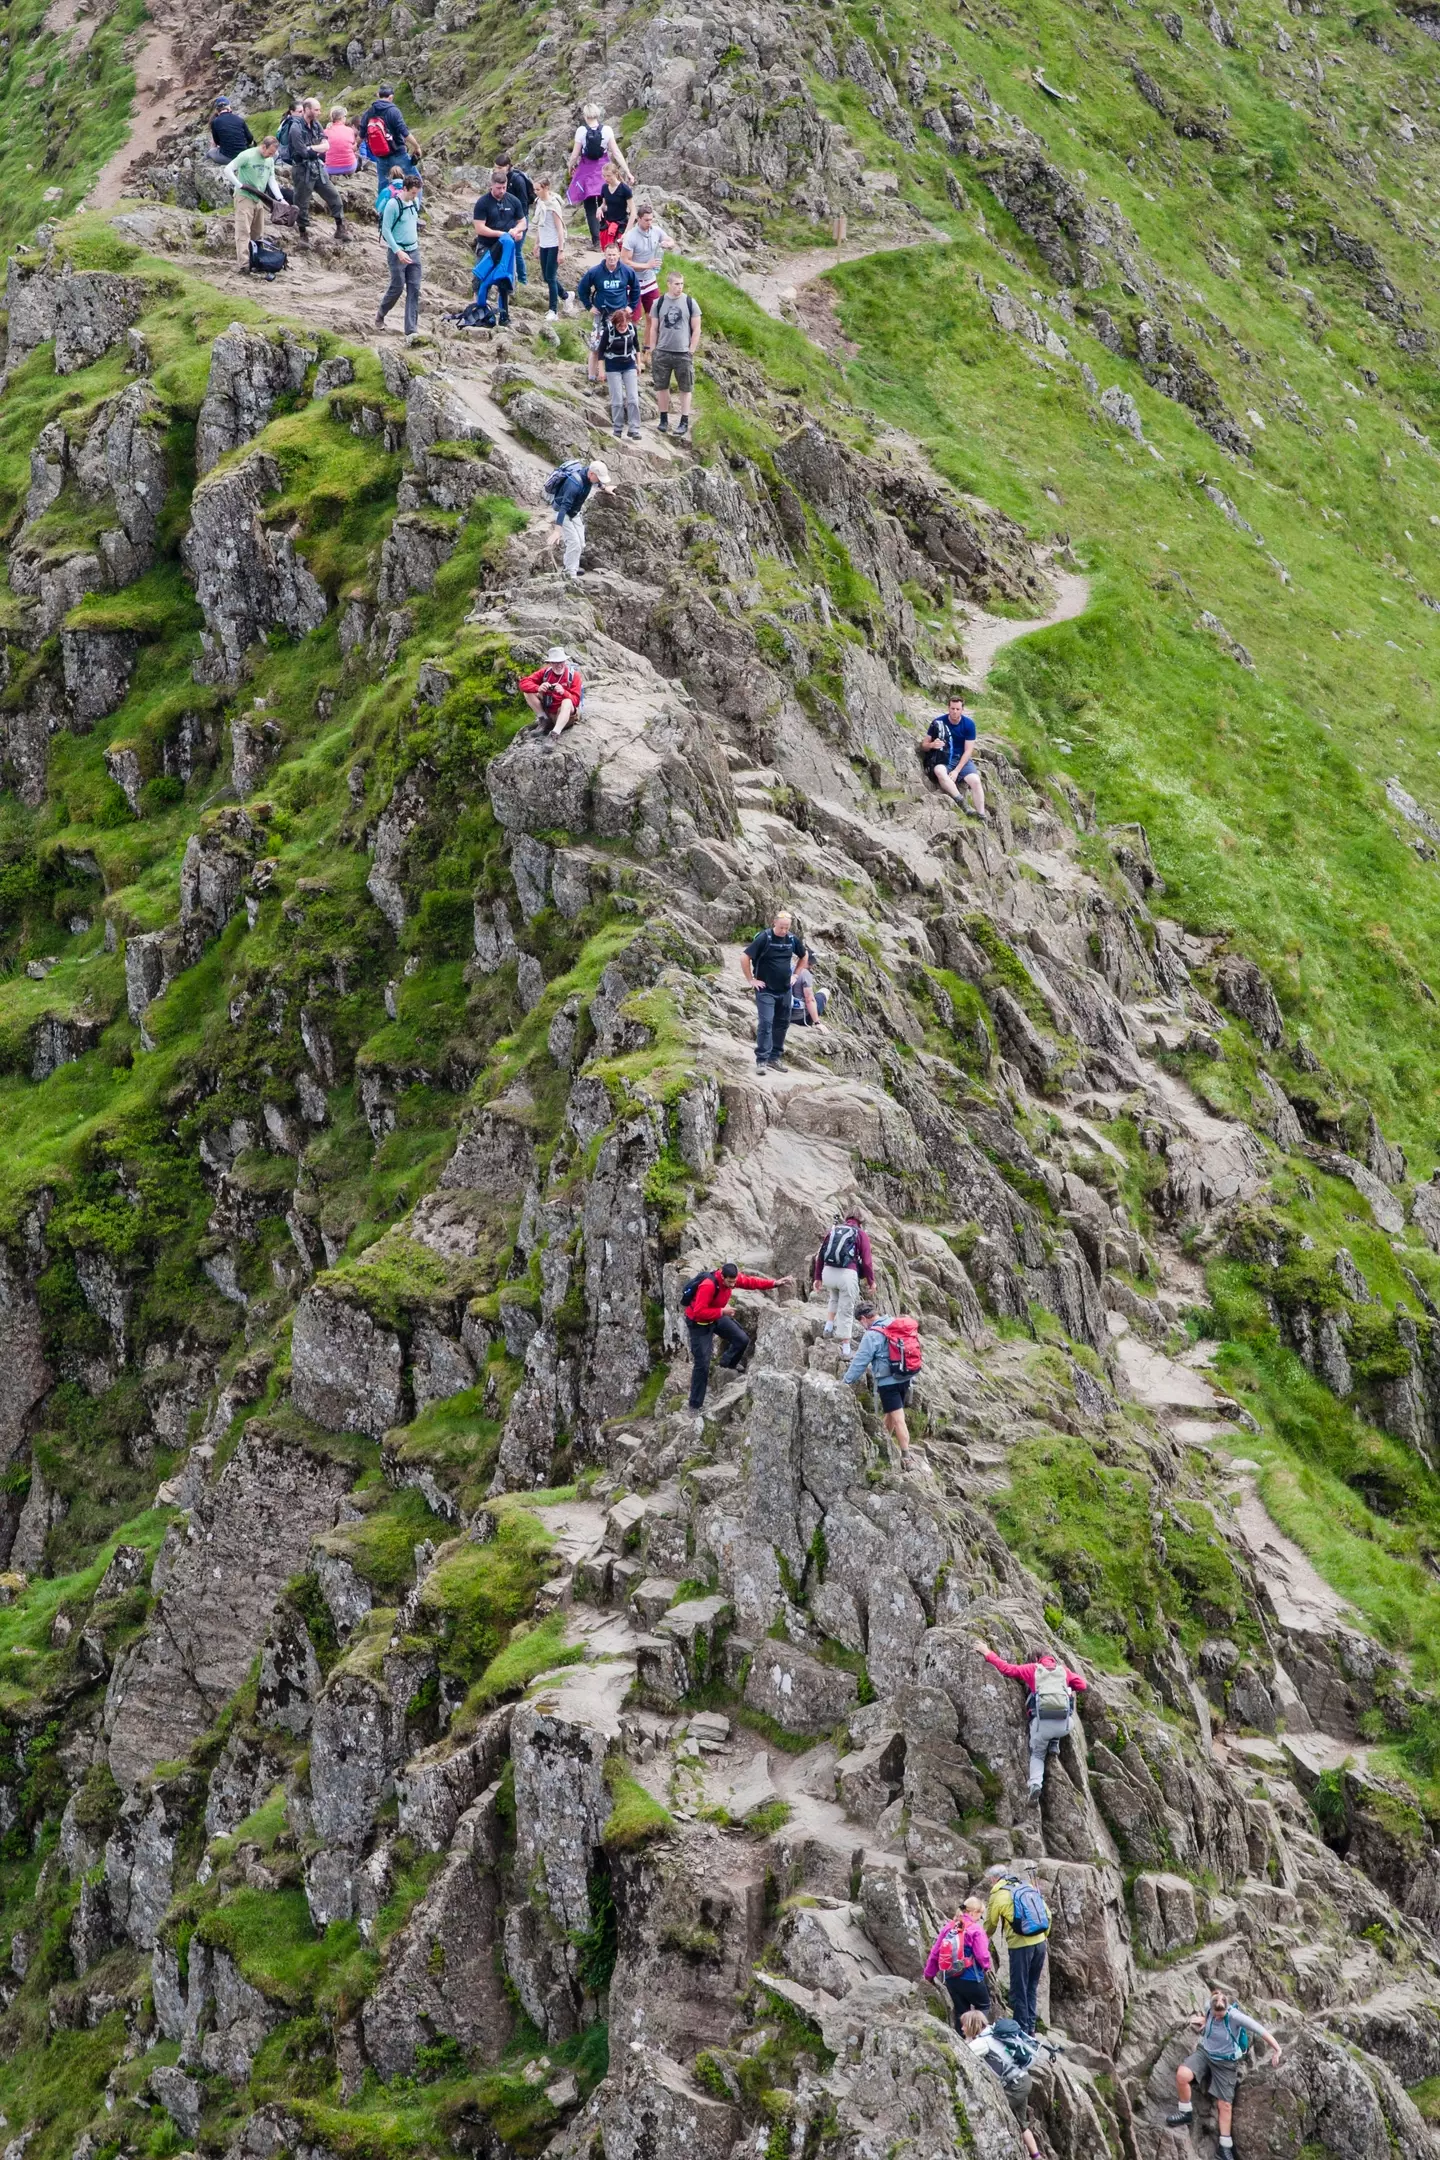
x: 772, y: 957
x: 674, y: 318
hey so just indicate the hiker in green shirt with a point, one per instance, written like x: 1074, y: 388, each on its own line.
x: 252, y: 175
x: 400, y: 231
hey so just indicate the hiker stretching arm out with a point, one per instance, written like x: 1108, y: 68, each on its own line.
x: 873, y: 1357
x: 706, y: 1318
x: 1225, y: 2034
x: 1050, y: 1684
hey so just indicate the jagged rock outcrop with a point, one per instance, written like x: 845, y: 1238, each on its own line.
x: 249, y: 371
x: 248, y: 575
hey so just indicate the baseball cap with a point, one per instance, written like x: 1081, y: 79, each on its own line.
x: 602, y: 473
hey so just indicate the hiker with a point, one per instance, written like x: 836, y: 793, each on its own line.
x: 229, y: 133
x: 1051, y: 1705
x: 493, y: 275
x: 890, y: 1352
x: 807, y: 1004
x: 643, y: 251
x: 1017, y: 1908
x: 309, y: 146
x: 383, y: 132
x: 842, y: 1263
x: 703, y: 1301
x: 342, y: 145
x: 674, y: 341
x: 567, y: 491
x: 400, y: 231
x: 620, y: 356
x: 499, y: 215
x: 593, y: 148
x: 616, y: 197
x: 518, y: 183
x: 1003, y: 2048
x: 1225, y: 2035
x: 767, y: 964
x: 549, y: 220
x: 606, y: 287
x: 252, y: 175
x: 555, y: 693
x: 945, y: 754
x: 960, y: 1957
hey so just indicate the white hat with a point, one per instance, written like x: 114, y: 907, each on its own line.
x: 557, y: 652
x: 601, y: 472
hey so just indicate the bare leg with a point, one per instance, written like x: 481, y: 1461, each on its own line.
x: 977, y: 791
x: 1222, y: 2111
x: 1184, y: 2082
x: 899, y: 1431
x: 945, y: 784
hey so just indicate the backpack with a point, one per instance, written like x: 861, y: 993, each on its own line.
x: 902, y: 1343
x: 840, y: 1247
x: 691, y: 1290
x: 593, y: 147
x: 1238, y: 2037
x: 1016, y: 2047
x: 555, y: 485
x: 282, y: 133
x: 955, y: 1954
x: 377, y: 137
x: 1032, y: 1914
x: 1052, y: 1693
x: 266, y: 260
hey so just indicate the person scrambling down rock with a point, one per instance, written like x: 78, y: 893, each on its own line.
x: 890, y: 1353
x: 703, y: 1301
x: 1225, y: 2035
x: 842, y: 1263
x: 620, y: 357
x: 567, y: 491
x: 960, y: 1958
x: 555, y: 694
x: 606, y: 288
x: 767, y: 963
x: 1021, y: 1913
x: 1051, y: 1705
x: 1009, y: 2052
x: 945, y: 754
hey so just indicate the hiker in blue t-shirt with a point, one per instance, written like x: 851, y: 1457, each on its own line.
x: 1225, y: 2035
x: 945, y: 754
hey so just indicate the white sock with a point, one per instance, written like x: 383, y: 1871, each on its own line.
x: 1185, y: 2107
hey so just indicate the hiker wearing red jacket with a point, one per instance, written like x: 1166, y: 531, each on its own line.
x: 1052, y: 1688
x: 554, y: 693
x: 706, y: 1318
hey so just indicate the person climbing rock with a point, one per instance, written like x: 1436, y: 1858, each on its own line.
x: 606, y: 287
x: 400, y: 231
x: 519, y: 184
x: 945, y: 753
x: 1016, y: 1907
x: 889, y: 1352
x: 383, y: 132
x: 703, y: 1301
x: 549, y: 222
x: 842, y: 1263
x: 1053, y: 1688
x: 619, y: 354
x: 567, y: 491
x: 643, y: 251
x: 767, y: 963
x: 252, y: 175
x: 960, y: 1959
x: 342, y: 144
x: 1225, y: 2035
x: 309, y: 146
x: 229, y: 133
x: 674, y: 340
x: 593, y: 149
x: 555, y: 693
x: 1009, y: 2053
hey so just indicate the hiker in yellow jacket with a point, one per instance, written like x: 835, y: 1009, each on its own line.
x: 1018, y: 1910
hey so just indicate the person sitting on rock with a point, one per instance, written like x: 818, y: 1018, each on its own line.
x: 706, y: 1318
x: 945, y: 754
x: 807, y: 1004
x: 1051, y: 1705
x: 1225, y: 2034
x: 555, y: 694
x: 229, y: 133
x: 960, y: 1957
x: 1003, y: 2048
x: 880, y: 1333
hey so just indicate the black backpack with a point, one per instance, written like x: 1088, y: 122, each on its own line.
x: 555, y: 485
x: 266, y: 260
x: 594, y: 143
x: 691, y: 1290
x: 840, y: 1247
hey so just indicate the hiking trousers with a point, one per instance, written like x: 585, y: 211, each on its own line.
x: 310, y: 181
x: 249, y: 225
x: 572, y: 535
x: 1045, y: 1736
x: 772, y: 1023
x: 550, y: 271
x: 967, y: 1991
x: 842, y: 1287
x: 1027, y: 1961
x: 404, y: 277
x: 623, y: 385
x: 702, y: 1349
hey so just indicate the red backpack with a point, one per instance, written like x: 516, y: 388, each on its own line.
x: 377, y: 138
x: 954, y: 1952
x: 902, y: 1341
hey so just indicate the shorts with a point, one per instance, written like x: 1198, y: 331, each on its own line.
x: 1018, y: 2095
x: 894, y: 1394
x: 649, y: 294
x: 672, y: 370
x: 968, y: 771
x: 1218, y: 2078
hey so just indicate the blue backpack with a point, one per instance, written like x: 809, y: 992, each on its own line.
x: 1032, y: 1914
x: 1237, y: 2035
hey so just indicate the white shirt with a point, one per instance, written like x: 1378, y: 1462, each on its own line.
x: 607, y: 137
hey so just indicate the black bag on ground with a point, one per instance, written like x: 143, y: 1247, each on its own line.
x: 266, y: 260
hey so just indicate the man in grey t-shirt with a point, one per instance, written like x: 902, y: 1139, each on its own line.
x: 674, y: 342
x: 643, y: 251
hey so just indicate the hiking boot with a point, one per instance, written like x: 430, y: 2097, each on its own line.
x: 664, y: 423
x: 504, y: 318
x: 828, y: 1330
x: 1181, y: 2119
x: 618, y: 433
x: 379, y: 321
x: 340, y: 232
x: 634, y: 434
x: 684, y: 427
x: 778, y: 1064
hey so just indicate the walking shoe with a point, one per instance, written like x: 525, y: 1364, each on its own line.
x: 664, y: 423
x: 570, y: 307
x: 379, y: 321
x: 634, y: 434
x: 684, y: 427
x: 617, y: 432
x: 504, y: 318
x: 340, y: 232
x: 549, y: 314
x: 847, y: 1349
x: 778, y: 1065
x: 1181, y: 2119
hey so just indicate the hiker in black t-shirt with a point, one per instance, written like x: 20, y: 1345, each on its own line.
x: 767, y: 964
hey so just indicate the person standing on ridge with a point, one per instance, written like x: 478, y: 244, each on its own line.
x: 703, y: 1301
x: 643, y: 250
x: 567, y: 491
x: 767, y: 964
x: 945, y: 753
x: 674, y: 340
x: 549, y: 221
x: 400, y: 231
x: 252, y: 175
x: 615, y: 199
x: 1016, y: 1907
x: 843, y: 1262
x: 1052, y: 1689
x: 309, y: 146
x: 383, y: 132
x: 1225, y: 2035
x: 890, y: 1353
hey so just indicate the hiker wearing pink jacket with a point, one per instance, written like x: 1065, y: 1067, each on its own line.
x: 960, y: 1956
x: 1051, y: 1705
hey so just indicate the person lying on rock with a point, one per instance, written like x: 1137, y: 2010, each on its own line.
x: 703, y: 1300
x: 1225, y: 2034
x: 1003, y: 2048
x: 944, y: 751
x: 890, y: 1353
x: 1051, y: 1706
x: 960, y: 1957
x: 555, y: 694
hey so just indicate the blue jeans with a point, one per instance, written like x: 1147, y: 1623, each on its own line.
x: 550, y: 271
x: 520, y: 277
x: 772, y: 1024
x: 1026, y: 1964
x: 385, y: 165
